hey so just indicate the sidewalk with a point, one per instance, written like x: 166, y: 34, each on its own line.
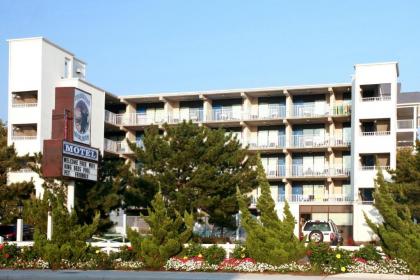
x: 157, y: 275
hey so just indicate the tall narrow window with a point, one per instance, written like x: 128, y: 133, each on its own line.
x: 66, y: 68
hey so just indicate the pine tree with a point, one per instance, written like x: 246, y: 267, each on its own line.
x: 399, y: 235
x: 68, y: 236
x: 197, y: 167
x: 167, y: 235
x: 10, y: 194
x: 269, y: 239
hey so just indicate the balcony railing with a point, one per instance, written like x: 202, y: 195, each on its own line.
x: 225, y: 114
x: 24, y: 105
x: 405, y: 124
x: 317, y: 171
x: 376, y: 133
x: 280, y: 143
x: 139, y: 119
x: 110, y: 117
x: 194, y: 115
x: 340, y: 110
x: 279, y: 171
x: 302, y: 198
x: 405, y: 144
x: 274, y: 112
x: 308, y: 111
x: 374, y: 168
x: 377, y: 98
x: 313, y: 141
x: 23, y: 137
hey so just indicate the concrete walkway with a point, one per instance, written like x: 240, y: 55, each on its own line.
x: 152, y: 275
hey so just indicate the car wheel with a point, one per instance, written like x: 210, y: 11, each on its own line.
x: 316, y: 236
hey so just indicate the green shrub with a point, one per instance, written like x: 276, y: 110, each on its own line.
x: 214, y: 254
x: 192, y: 250
x: 368, y: 253
x: 125, y: 254
x: 8, y: 254
x: 322, y: 256
x: 240, y: 252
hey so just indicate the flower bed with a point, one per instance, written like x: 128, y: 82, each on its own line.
x: 322, y: 260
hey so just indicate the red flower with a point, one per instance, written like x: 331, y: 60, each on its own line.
x: 129, y: 248
x: 361, y: 260
x: 1, y: 246
x: 309, y: 253
x: 6, y: 256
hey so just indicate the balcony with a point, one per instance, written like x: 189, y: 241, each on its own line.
x: 376, y: 133
x: 24, y: 105
x: 110, y: 117
x: 25, y: 99
x: 273, y: 113
x: 276, y: 172
x: 120, y: 147
x: 376, y: 98
x: 139, y: 119
x: 309, y: 111
x: 301, y: 171
x: 332, y: 198
x: 195, y: 115
x: 405, y: 124
x: 318, y: 141
x: 340, y: 110
x: 23, y: 137
x: 225, y: 115
x: 269, y: 145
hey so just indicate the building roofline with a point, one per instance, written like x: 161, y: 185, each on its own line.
x: 380, y: 63
x: 48, y: 42
x: 239, y: 90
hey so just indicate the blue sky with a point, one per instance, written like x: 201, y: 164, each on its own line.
x: 159, y: 46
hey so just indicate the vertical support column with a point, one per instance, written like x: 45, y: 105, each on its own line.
x: 167, y: 109
x: 246, y: 135
x: 415, y: 117
x: 246, y: 108
x: 124, y: 226
x: 207, y: 108
x: 131, y: 111
x: 289, y: 104
x: 19, y: 230
x: 288, y: 190
x: 70, y: 195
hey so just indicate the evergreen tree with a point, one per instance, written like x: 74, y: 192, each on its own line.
x: 10, y: 194
x: 269, y: 239
x: 406, y: 190
x: 197, y: 167
x: 68, y: 236
x: 167, y: 235
x: 399, y: 235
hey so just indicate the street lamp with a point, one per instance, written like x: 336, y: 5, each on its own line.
x: 19, y: 225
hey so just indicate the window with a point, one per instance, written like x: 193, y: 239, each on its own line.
x: 366, y: 194
x: 66, y: 68
x: 317, y: 226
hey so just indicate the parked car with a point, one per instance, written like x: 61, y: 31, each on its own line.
x: 321, y: 231
x: 8, y: 232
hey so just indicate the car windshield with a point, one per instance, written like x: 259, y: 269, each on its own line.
x: 6, y: 229
x: 317, y: 226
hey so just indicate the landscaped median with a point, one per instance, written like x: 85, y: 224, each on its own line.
x: 320, y: 260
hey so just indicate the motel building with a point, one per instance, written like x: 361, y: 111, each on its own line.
x: 321, y: 145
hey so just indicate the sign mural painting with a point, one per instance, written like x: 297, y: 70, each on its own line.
x: 82, y: 117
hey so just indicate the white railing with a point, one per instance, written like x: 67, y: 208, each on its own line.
x: 377, y: 98
x: 318, y: 171
x: 23, y: 137
x: 24, y: 105
x: 225, y: 114
x: 340, y: 110
x: 301, y: 198
x: 303, y: 141
x: 387, y: 167
x: 274, y: 112
x: 139, y: 119
x: 110, y: 145
x: 281, y: 143
x: 120, y: 146
x: 405, y: 143
x: 194, y: 115
x: 405, y: 124
x: 306, y: 110
x: 279, y: 171
x: 313, y: 141
x: 110, y: 117
x: 376, y: 133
